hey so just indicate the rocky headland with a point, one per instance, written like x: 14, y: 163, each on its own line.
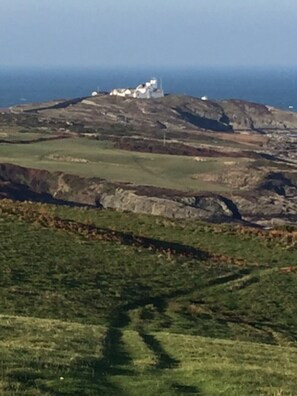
x: 259, y: 143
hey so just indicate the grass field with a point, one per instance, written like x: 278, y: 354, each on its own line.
x: 95, y: 303
x: 48, y: 357
x: 16, y: 134
x: 92, y: 158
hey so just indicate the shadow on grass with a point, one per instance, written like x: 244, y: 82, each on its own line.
x: 164, y: 359
x: 116, y: 358
x: 236, y: 276
x: 129, y: 239
x: 185, y: 389
x: 91, y: 376
x: 174, y: 248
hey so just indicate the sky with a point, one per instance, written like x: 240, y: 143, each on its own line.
x: 138, y: 33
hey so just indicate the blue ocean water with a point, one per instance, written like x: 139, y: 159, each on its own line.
x: 275, y: 87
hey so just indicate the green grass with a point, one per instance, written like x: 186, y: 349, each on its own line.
x: 83, y: 316
x: 221, y: 240
x: 47, y: 357
x: 233, y: 368
x: 103, y: 161
x: 42, y: 356
x: 16, y: 134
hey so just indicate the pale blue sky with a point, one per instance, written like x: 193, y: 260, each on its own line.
x: 148, y: 32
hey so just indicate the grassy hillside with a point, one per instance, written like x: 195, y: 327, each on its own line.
x: 50, y: 357
x: 99, y: 302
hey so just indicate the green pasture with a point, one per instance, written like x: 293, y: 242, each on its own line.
x: 256, y: 251
x: 50, y: 357
x: 80, y: 316
x: 15, y: 134
x: 93, y: 158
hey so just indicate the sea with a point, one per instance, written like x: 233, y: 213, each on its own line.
x: 274, y: 86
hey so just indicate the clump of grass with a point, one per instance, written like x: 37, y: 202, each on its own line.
x: 42, y: 356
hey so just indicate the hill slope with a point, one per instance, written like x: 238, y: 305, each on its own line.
x: 244, y: 152
x: 114, y: 303
x: 171, y: 112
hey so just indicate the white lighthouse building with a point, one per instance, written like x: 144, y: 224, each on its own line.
x: 147, y: 90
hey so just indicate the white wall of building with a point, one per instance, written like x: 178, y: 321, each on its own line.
x: 143, y: 91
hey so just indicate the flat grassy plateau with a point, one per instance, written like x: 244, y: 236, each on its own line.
x: 97, y: 302
x: 91, y: 158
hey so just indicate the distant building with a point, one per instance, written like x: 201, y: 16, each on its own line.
x: 147, y: 90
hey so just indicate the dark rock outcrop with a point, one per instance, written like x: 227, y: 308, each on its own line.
x: 279, y: 183
x: 60, y: 187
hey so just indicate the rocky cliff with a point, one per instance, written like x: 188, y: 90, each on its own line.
x: 35, y: 184
x: 255, y: 144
